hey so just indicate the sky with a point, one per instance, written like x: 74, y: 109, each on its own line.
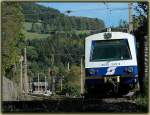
x: 93, y: 10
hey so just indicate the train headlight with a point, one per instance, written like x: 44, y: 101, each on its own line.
x: 129, y: 69
x: 92, y: 71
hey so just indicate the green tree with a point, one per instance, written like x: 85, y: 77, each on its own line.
x: 72, y: 81
x: 123, y: 24
x: 32, y: 53
x: 141, y: 30
x: 12, y: 19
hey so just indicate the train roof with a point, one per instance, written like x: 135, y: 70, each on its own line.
x: 114, y: 35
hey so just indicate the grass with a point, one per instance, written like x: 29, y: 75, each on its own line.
x: 27, y: 25
x: 83, y: 31
x: 142, y: 102
x: 30, y: 35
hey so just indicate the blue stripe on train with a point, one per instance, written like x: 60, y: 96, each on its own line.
x: 100, y: 72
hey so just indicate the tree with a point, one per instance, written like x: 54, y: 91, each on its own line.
x: 32, y: 53
x: 12, y: 19
x: 140, y: 20
x: 72, y: 81
x: 140, y: 31
x: 123, y: 24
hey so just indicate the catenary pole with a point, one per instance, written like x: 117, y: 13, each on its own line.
x: 25, y: 73
x: 81, y: 77
x: 130, y: 18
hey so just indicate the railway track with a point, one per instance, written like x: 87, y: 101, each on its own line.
x: 75, y: 105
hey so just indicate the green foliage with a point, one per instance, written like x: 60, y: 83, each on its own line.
x: 52, y: 40
x: 71, y: 90
x: 72, y: 81
x: 32, y: 53
x: 140, y: 21
x: 142, y: 103
x: 73, y: 76
x: 31, y: 35
x: 143, y: 99
x: 123, y: 24
x: 44, y: 20
x: 140, y: 30
x: 12, y: 19
x: 40, y: 52
x: 27, y: 26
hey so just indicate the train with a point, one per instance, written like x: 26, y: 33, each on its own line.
x: 110, y: 63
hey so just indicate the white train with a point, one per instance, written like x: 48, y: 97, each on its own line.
x: 110, y: 63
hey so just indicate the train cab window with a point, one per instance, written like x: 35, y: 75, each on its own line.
x: 109, y: 50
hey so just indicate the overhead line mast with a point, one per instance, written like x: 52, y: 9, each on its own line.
x: 26, y: 82
x: 130, y: 29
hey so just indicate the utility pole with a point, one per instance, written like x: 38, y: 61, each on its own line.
x: 45, y: 84
x: 38, y: 82
x: 52, y: 75
x: 49, y: 76
x: 53, y: 82
x: 31, y: 85
x: 13, y: 72
x: 130, y: 18
x: 68, y: 66
x: 25, y: 73
x: 81, y: 77
x: 21, y: 84
x: 61, y: 83
x: 52, y: 59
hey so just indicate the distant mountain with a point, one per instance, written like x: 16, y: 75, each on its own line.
x: 45, y: 20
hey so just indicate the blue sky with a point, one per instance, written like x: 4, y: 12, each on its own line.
x: 93, y: 10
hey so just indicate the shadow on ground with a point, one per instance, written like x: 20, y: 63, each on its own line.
x: 74, y: 106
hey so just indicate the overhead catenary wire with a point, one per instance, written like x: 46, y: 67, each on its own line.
x: 98, y: 9
x: 68, y: 11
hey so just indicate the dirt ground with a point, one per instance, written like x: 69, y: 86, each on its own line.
x: 107, y: 105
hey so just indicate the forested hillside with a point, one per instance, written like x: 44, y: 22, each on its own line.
x: 44, y: 20
x: 53, y: 41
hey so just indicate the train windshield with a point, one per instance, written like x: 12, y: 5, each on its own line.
x: 109, y: 50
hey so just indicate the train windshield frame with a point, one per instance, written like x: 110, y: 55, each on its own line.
x: 110, y: 50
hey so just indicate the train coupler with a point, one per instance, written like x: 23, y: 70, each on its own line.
x: 115, y: 82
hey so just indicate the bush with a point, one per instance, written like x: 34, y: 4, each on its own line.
x: 72, y: 90
x: 142, y: 99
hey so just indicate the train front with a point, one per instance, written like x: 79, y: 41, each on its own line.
x: 110, y: 63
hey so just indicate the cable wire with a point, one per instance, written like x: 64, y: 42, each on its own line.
x: 68, y: 11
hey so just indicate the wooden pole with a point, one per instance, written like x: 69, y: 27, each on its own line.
x: 31, y: 85
x: 68, y: 66
x: 53, y: 74
x: 21, y: 77
x: 53, y: 84
x: 49, y: 76
x: 25, y: 73
x: 61, y: 83
x: 52, y: 59
x: 130, y: 18
x: 45, y: 84
x: 38, y: 83
x: 81, y: 77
